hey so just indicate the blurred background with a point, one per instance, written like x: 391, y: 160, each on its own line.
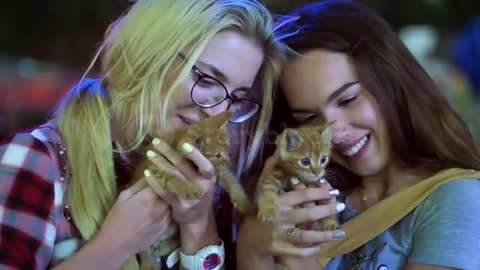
x: 45, y: 46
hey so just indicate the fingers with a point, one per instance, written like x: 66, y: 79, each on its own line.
x: 311, y: 237
x: 301, y: 215
x: 176, y: 159
x: 163, y: 164
x: 301, y: 186
x: 170, y: 198
x: 158, y: 189
x: 292, y: 198
x: 292, y: 250
x: 161, y: 228
x: 204, y: 165
x: 165, y: 217
x: 129, y: 192
x: 304, y: 226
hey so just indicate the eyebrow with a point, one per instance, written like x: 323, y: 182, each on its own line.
x: 333, y: 96
x: 215, y: 71
x: 340, y: 90
x: 220, y: 75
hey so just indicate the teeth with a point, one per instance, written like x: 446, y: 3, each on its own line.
x: 354, y: 149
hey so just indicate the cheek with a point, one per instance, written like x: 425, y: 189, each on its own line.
x: 180, y: 98
x: 372, y: 117
x: 367, y: 114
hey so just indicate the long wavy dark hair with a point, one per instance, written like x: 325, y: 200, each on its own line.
x: 424, y: 129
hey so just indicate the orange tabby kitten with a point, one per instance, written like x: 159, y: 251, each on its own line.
x: 303, y: 156
x: 211, y: 139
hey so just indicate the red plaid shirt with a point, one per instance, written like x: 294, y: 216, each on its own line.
x: 36, y: 231
x: 35, y: 227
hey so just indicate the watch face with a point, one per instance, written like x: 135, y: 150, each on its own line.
x: 211, y: 261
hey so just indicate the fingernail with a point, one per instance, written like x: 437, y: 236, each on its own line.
x: 334, y: 192
x: 147, y: 173
x: 187, y: 148
x: 340, y: 207
x: 339, y: 234
x: 156, y: 141
x: 322, y: 180
x: 151, y: 154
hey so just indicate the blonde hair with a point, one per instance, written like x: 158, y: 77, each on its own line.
x: 137, y: 55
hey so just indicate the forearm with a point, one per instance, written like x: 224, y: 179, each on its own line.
x: 248, y: 257
x: 301, y: 263
x: 94, y: 255
x: 247, y: 260
x: 196, y: 236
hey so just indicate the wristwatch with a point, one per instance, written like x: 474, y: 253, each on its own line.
x: 208, y: 258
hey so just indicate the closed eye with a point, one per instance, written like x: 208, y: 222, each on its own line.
x: 241, y: 94
x: 306, y: 119
x: 347, y: 101
x: 311, y: 118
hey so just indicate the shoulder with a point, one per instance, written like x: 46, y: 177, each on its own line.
x: 17, y: 149
x: 456, y: 200
x: 29, y: 153
x: 447, y: 222
x: 29, y: 171
x: 463, y: 193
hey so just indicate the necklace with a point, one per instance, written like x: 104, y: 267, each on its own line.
x: 364, y: 198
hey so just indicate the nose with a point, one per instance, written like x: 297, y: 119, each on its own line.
x: 216, y: 109
x: 339, y: 132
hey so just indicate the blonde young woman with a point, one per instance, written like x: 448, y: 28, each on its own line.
x: 64, y: 202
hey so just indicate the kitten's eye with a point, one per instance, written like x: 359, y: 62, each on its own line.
x: 323, y: 160
x: 199, y: 142
x: 304, y: 162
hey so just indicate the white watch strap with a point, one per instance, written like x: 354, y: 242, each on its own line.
x: 208, y: 258
x: 173, y: 258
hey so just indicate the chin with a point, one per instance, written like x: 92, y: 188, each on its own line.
x: 366, y: 170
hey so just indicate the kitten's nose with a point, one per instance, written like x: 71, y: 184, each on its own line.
x: 318, y: 172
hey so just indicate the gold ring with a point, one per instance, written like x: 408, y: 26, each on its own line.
x: 291, y: 232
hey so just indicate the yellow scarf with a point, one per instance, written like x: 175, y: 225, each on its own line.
x: 360, y: 229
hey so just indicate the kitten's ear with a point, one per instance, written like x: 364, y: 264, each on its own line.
x: 219, y: 120
x: 291, y: 139
x: 327, y: 133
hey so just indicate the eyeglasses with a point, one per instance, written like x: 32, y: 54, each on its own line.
x: 208, y: 92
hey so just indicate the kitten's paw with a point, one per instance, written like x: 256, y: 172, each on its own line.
x: 242, y: 204
x: 240, y: 201
x: 329, y: 224
x: 268, y: 213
